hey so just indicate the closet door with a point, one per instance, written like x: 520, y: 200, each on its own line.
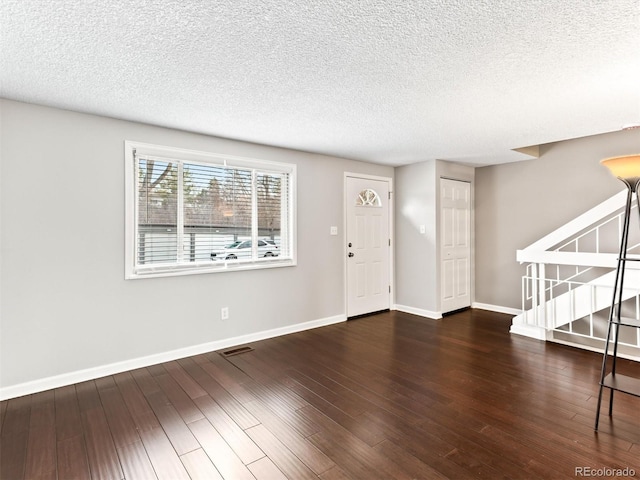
x: 455, y: 244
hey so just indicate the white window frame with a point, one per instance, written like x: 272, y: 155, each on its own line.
x: 134, y: 271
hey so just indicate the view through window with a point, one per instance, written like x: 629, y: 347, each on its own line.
x: 202, y: 212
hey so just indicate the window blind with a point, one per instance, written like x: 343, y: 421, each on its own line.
x: 192, y: 214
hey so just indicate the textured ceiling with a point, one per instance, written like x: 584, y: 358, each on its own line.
x: 385, y: 81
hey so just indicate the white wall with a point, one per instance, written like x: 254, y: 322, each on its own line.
x: 65, y: 304
x: 415, y: 253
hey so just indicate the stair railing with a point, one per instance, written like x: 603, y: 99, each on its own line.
x: 578, y: 244
x: 598, y: 299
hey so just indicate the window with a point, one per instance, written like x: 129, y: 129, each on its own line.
x: 197, y: 212
x: 368, y: 198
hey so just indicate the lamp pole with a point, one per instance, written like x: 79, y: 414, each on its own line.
x: 627, y: 170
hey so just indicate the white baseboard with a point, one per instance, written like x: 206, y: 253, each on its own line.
x: 418, y: 311
x: 496, y: 308
x: 593, y: 349
x: 438, y: 315
x: 70, y: 378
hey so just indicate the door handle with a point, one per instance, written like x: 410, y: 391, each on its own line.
x: 351, y: 254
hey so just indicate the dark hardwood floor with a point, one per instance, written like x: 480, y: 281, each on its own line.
x: 391, y: 396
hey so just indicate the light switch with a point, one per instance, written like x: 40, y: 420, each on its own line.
x: 423, y: 229
x: 334, y: 230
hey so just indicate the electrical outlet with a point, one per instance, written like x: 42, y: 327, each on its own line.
x: 224, y: 313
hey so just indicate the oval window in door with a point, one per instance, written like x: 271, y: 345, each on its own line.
x: 368, y: 198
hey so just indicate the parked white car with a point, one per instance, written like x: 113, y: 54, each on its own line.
x: 242, y: 249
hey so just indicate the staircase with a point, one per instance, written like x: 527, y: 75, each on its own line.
x: 579, y: 301
x: 568, y: 284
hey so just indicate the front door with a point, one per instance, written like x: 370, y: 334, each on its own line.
x: 368, y: 246
x: 455, y: 244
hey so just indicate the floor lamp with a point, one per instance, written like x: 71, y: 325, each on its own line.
x: 626, y: 169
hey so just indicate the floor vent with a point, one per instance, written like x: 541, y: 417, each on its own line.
x: 237, y: 351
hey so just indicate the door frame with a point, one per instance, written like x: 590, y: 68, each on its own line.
x: 392, y: 274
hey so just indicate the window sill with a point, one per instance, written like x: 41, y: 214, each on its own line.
x: 214, y: 267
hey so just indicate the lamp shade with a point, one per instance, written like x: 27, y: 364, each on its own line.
x: 626, y: 166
